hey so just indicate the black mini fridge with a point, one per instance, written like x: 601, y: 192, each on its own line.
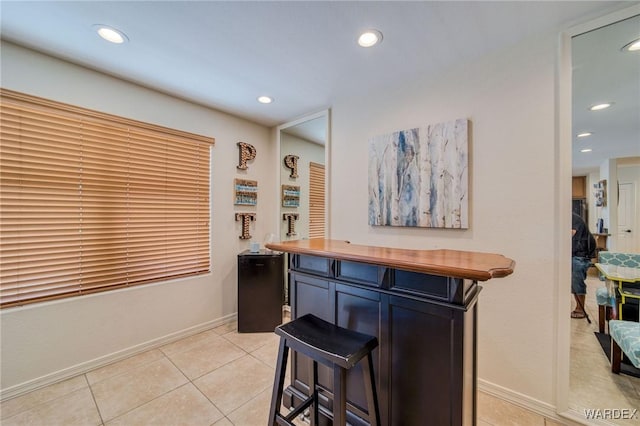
x: 260, y: 290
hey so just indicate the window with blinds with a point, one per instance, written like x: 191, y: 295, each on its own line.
x: 316, y: 200
x: 91, y: 202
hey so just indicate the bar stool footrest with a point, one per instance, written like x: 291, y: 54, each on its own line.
x: 299, y: 409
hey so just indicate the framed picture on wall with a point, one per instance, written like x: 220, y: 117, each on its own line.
x: 290, y: 196
x: 600, y: 193
x: 246, y: 192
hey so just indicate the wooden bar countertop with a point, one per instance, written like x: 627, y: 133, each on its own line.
x: 450, y: 263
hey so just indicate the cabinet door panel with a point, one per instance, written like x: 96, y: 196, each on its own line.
x: 421, y: 363
x: 310, y: 296
x: 360, y: 310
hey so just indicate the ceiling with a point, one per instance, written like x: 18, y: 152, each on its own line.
x: 303, y: 54
x: 314, y: 130
x: 602, y: 72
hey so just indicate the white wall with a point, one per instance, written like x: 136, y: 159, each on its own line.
x: 630, y: 173
x: 509, y: 99
x: 52, y: 340
x: 307, y: 152
x: 627, y: 171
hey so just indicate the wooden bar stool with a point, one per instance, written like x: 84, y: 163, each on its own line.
x: 330, y: 345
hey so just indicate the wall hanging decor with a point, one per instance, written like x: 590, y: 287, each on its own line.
x: 600, y: 193
x: 246, y: 219
x: 290, y: 196
x: 291, y: 161
x: 290, y: 218
x: 419, y: 177
x: 246, y: 192
x: 247, y: 152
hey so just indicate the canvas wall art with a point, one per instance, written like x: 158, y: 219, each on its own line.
x: 419, y: 177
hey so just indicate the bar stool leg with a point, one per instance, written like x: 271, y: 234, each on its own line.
x: 339, y: 396
x: 313, y: 392
x: 278, y: 384
x: 370, y: 390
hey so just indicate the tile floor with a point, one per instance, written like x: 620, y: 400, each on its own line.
x: 592, y: 385
x: 218, y: 377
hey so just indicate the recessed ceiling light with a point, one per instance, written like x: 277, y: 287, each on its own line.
x: 586, y: 150
x: 633, y: 46
x: 584, y: 135
x: 370, y: 38
x: 265, y: 99
x: 598, y: 107
x: 111, y: 34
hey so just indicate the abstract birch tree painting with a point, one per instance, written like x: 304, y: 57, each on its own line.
x: 419, y: 177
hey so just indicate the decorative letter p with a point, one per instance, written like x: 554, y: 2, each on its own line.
x: 247, y: 152
x: 291, y: 161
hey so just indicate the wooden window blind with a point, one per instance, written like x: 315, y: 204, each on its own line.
x: 316, y: 200
x: 91, y: 202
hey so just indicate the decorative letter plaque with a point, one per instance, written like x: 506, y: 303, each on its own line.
x: 291, y: 161
x: 246, y: 218
x: 291, y: 223
x: 247, y: 152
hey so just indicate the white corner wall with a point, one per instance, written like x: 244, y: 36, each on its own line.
x: 509, y: 99
x: 48, y: 341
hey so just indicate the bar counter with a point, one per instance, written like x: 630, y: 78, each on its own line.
x: 451, y: 263
x: 420, y: 304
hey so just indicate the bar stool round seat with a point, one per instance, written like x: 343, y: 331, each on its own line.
x: 330, y: 345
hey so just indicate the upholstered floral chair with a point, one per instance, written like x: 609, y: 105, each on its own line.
x: 603, y: 298
x: 625, y: 338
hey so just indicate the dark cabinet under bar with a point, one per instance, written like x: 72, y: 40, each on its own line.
x: 426, y: 323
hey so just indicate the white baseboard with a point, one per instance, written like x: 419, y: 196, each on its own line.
x: 87, y: 366
x: 569, y: 418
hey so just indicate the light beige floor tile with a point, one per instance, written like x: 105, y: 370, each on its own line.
x: 268, y: 353
x: 254, y: 412
x: 584, y: 397
x: 16, y: 405
x: 551, y: 422
x: 483, y: 423
x: 635, y: 382
x: 223, y: 422
x: 183, y: 406
x: 499, y: 412
x: 226, y: 328
x: 236, y: 383
x: 75, y: 408
x: 251, y: 341
x: 123, y: 366
x: 585, y: 339
x: 206, y: 357
x: 599, y: 381
x: 120, y: 394
x: 189, y: 343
